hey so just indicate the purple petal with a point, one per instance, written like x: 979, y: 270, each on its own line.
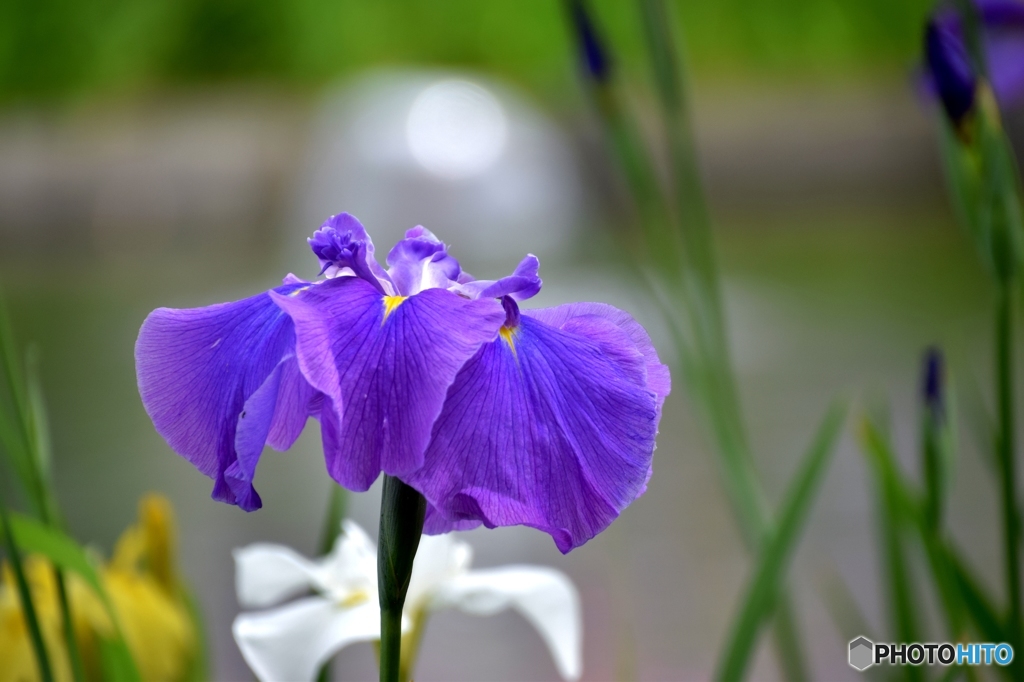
x: 658, y: 378
x: 1003, y: 22
x: 344, y: 248
x: 421, y: 261
x: 547, y: 427
x: 999, y: 13
x: 296, y: 402
x: 523, y: 283
x: 436, y: 523
x: 219, y: 382
x: 1005, y: 54
x: 385, y: 374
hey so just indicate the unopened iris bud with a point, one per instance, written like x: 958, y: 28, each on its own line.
x: 594, y: 56
x: 953, y: 76
x: 935, y: 443
x: 932, y: 383
x: 949, y: 65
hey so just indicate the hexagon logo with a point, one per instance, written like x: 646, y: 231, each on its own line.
x: 862, y: 653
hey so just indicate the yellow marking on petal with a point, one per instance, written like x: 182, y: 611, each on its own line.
x: 356, y: 598
x: 508, y: 334
x: 390, y: 303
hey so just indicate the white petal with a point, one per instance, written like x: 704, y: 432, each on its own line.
x: 351, y: 565
x: 266, y: 574
x: 438, y: 559
x: 544, y: 596
x: 290, y: 644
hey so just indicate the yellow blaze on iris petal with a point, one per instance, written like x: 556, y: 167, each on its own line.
x: 390, y: 303
x: 509, y: 335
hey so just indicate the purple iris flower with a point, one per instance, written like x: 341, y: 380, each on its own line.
x: 950, y: 72
x: 497, y: 416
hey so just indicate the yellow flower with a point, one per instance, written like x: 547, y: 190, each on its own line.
x: 19, y: 662
x: 147, y: 599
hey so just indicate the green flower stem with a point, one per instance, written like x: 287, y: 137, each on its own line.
x: 390, y: 645
x: 1006, y: 448
x: 402, y: 510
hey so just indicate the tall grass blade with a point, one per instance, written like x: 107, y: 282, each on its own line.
x: 12, y: 548
x: 893, y: 519
x: 15, y: 434
x: 773, y: 559
x: 695, y: 324
x: 17, y: 456
x: 12, y: 369
x: 712, y: 375
x: 961, y: 594
x: 39, y: 422
x: 979, y: 604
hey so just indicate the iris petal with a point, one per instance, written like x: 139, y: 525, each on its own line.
x: 293, y: 641
x: 343, y: 247
x: 551, y: 427
x: 386, y: 376
x: 523, y: 283
x: 421, y: 261
x: 267, y: 574
x: 544, y: 596
x: 658, y: 378
x: 218, y: 382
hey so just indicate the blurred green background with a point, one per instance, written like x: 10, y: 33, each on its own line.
x: 61, y: 48
x: 158, y: 152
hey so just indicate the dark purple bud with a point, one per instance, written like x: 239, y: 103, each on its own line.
x: 949, y: 64
x: 933, y: 383
x: 594, y: 57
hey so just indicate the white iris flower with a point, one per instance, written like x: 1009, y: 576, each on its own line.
x: 292, y: 642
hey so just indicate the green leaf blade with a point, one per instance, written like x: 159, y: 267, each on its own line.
x: 62, y: 551
x: 764, y: 586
